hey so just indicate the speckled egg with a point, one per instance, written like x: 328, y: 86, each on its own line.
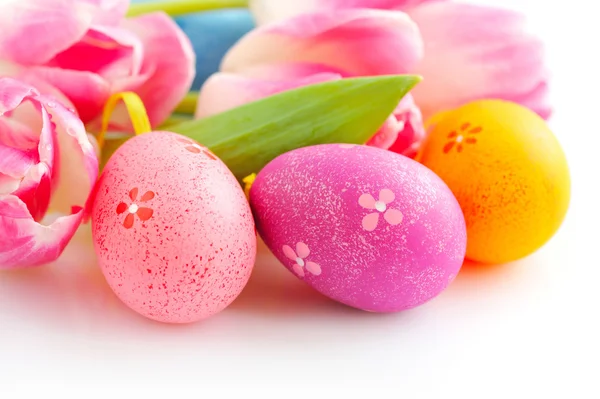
x: 507, y: 171
x: 172, y: 229
x: 366, y: 227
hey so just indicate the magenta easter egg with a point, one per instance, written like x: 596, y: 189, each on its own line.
x: 366, y: 227
x: 172, y: 229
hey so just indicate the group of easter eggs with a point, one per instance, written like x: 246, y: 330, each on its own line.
x: 176, y: 236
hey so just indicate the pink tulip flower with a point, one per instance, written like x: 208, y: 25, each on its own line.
x: 471, y: 51
x: 474, y: 52
x: 46, y: 162
x: 319, y: 47
x: 87, y: 50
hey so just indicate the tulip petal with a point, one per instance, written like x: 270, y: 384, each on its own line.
x: 26, y: 75
x: 475, y: 52
x: 224, y: 91
x: 76, y: 157
x: 26, y: 177
x: 404, y: 130
x: 109, y: 12
x: 537, y: 100
x: 388, y: 134
x: 25, y: 242
x: 16, y: 134
x: 50, y: 27
x: 90, y: 70
x: 358, y: 41
x: 413, y: 133
x: 8, y: 184
x: 110, y: 52
x: 267, y: 11
x: 88, y: 91
x: 292, y: 71
x: 28, y: 160
x: 35, y: 190
x: 13, y: 93
x: 15, y: 162
x: 13, y: 96
x: 17, y: 169
x: 169, y: 62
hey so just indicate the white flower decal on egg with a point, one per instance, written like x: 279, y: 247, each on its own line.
x: 386, y: 197
x: 299, y: 256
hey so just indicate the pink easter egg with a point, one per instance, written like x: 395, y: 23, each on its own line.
x: 172, y: 229
x: 366, y: 227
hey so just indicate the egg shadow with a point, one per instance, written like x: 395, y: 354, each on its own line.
x: 71, y: 296
x: 273, y: 291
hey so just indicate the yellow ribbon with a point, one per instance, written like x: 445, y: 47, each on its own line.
x: 135, y: 109
x: 248, y: 181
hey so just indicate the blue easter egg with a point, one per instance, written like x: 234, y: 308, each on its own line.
x: 212, y: 34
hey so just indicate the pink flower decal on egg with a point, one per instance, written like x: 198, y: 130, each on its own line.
x: 386, y: 197
x: 299, y: 256
x: 196, y: 148
x: 142, y: 213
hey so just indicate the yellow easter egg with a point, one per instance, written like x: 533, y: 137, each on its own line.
x: 507, y: 171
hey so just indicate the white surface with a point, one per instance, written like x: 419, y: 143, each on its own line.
x: 528, y: 329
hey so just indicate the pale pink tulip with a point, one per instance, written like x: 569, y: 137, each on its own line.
x: 87, y: 50
x: 474, y: 52
x: 319, y: 47
x: 267, y: 11
x: 471, y: 52
x: 46, y: 161
x: 224, y: 91
x: 359, y: 42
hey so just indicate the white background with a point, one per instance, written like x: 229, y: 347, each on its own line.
x: 528, y: 329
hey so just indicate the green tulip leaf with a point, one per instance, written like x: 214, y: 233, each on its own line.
x: 343, y: 111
